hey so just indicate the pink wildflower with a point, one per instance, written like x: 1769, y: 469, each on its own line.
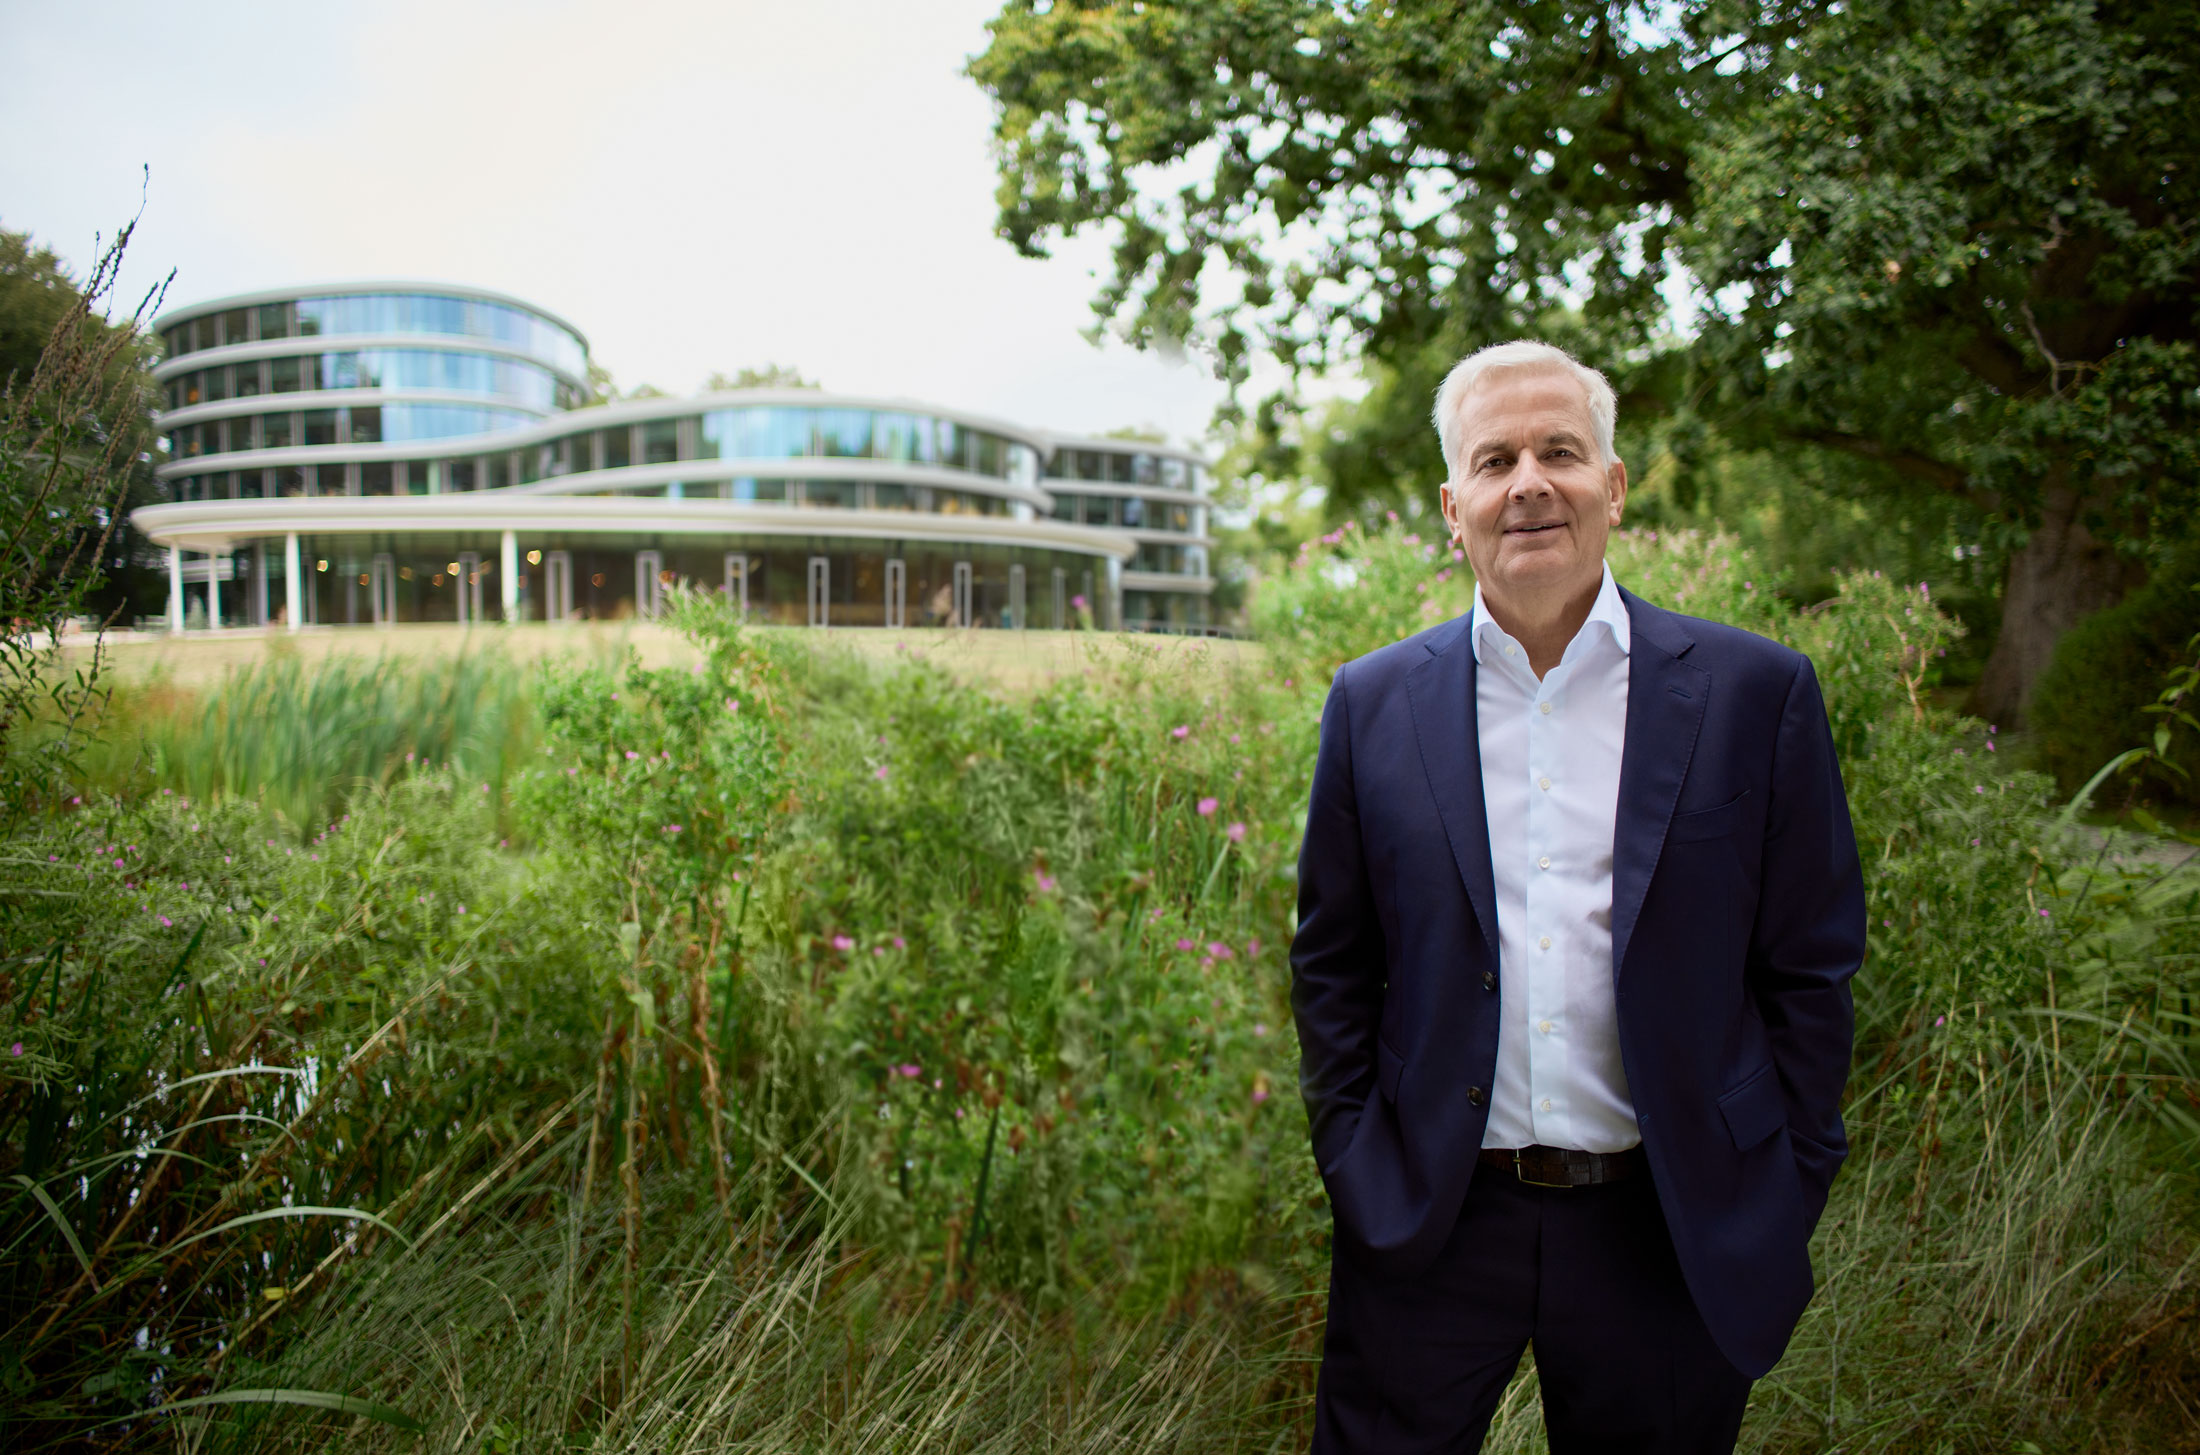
x: 1180, y: 731
x: 1207, y: 807
x: 879, y: 772
x: 900, y: 943
x: 1185, y: 945
x: 1236, y: 832
x: 843, y: 943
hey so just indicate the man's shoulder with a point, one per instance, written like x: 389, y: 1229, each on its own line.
x: 1723, y: 648
x: 1387, y: 665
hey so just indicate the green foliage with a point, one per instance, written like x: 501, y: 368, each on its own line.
x: 1944, y: 245
x: 304, y: 741
x: 931, y: 1085
x: 2090, y: 703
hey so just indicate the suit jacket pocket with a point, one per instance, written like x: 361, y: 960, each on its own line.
x: 1389, y: 1066
x: 1708, y: 823
x: 1755, y: 1110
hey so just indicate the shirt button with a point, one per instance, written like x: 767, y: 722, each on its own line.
x: 1544, y: 1027
x: 1509, y: 649
x: 1544, y: 708
x: 1489, y: 980
x: 1544, y: 862
x: 1474, y: 1097
x: 1546, y: 1103
x: 1544, y: 784
x: 1544, y: 943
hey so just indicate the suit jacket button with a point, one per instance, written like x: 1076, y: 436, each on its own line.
x: 1474, y: 1096
x: 1489, y: 980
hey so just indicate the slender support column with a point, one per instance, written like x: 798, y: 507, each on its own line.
x: 508, y: 576
x: 214, y: 561
x: 259, y: 583
x: 175, y: 589
x: 294, y: 584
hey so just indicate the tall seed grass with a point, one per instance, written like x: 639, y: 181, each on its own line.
x: 302, y: 739
x: 1088, y: 1217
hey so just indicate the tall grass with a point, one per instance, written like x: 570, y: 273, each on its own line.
x: 303, y: 739
x: 816, y: 1054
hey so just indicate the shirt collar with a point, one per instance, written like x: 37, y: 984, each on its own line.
x: 1607, y: 611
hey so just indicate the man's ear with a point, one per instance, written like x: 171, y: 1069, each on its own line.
x: 1449, y: 503
x: 1616, y: 483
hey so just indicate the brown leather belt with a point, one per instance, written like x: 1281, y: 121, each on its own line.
x: 1541, y: 1166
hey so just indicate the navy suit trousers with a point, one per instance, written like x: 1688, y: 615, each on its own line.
x: 1586, y: 1275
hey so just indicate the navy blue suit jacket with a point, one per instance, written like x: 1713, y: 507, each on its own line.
x: 1737, y: 920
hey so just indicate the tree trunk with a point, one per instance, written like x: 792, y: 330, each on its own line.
x: 2062, y: 574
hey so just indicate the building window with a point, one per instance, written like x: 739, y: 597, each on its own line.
x: 320, y: 427
x: 660, y: 441
x: 366, y: 425
x: 613, y: 449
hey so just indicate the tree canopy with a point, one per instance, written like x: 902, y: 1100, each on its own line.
x: 1953, y: 243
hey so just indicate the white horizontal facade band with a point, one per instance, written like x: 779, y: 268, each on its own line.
x: 1161, y: 581
x: 779, y: 467
x: 1113, y: 446
x: 1159, y: 494
x: 1148, y: 537
x: 624, y: 478
x: 640, y: 411
x: 216, y: 525
x: 252, y: 404
x: 353, y: 343
x: 356, y: 289
x: 601, y: 416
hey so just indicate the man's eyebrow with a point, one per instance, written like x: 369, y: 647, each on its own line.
x: 1497, y: 445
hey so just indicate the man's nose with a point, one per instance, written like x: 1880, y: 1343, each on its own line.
x: 1528, y: 480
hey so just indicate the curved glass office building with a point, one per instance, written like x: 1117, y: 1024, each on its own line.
x: 382, y: 453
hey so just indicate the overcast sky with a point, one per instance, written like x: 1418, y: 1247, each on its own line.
x: 698, y: 186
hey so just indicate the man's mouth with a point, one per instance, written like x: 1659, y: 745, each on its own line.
x: 1535, y: 528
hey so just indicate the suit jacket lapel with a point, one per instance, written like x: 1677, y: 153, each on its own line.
x: 1441, y: 691
x: 1666, y: 697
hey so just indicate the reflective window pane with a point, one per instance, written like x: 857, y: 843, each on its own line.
x: 612, y: 449
x: 660, y: 441
x: 320, y: 427
x: 276, y: 431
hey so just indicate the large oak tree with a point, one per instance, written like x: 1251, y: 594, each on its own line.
x: 1952, y: 241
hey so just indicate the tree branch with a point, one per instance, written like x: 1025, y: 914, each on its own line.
x: 1939, y: 473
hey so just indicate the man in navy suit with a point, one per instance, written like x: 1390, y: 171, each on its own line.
x: 1578, y: 906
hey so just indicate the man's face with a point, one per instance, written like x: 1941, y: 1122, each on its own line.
x: 1530, y: 503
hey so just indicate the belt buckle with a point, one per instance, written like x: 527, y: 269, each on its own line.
x: 1531, y: 1181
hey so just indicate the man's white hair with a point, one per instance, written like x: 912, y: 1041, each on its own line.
x: 1467, y: 375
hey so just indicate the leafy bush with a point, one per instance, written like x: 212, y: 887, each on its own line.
x: 2089, y: 702
x: 797, y: 1024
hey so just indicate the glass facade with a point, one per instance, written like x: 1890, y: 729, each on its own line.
x: 387, y: 313
x: 401, y: 577
x: 371, y: 424
x: 506, y: 410
x: 793, y: 432
x: 512, y: 381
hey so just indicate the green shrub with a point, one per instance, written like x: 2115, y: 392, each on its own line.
x: 2089, y: 702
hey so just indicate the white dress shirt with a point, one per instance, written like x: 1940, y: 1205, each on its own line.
x: 1550, y: 780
